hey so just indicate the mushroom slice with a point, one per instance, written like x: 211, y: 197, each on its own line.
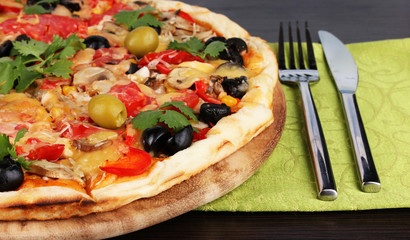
x: 54, y: 170
x: 89, y: 75
x: 183, y: 78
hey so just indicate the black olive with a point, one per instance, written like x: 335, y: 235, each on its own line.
x: 236, y: 87
x: 96, y: 42
x: 133, y: 68
x: 231, y: 54
x: 180, y: 140
x: 46, y: 6
x: 157, y: 29
x: 213, y: 39
x: 237, y: 43
x: 5, y: 48
x: 211, y: 113
x: 71, y: 6
x: 155, y: 138
x: 22, y: 37
x: 11, y: 174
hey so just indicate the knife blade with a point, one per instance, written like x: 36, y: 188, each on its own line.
x: 346, y: 77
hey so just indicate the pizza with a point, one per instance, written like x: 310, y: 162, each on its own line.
x: 106, y: 102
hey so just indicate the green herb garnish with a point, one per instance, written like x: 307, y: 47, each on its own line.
x: 132, y: 19
x: 33, y: 59
x: 37, y: 8
x: 196, y: 47
x: 172, y: 118
x: 7, y: 149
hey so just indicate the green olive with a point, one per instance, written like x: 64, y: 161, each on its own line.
x: 107, y: 111
x: 141, y: 41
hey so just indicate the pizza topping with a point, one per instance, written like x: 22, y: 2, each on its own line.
x: 11, y: 174
x: 180, y: 140
x: 196, y: 47
x: 55, y: 170
x: 135, y: 162
x: 5, y: 48
x: 87, y: 76
x: 236, y: 87
x: 141, y: 41
x: 96, y: 42
x: 107, y: 111
x: 155, y: 138
x: 211, y: 113
x: 138, y: 18
x: 85, y: 145
x: 35, y: 149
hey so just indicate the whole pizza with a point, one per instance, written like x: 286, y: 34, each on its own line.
x: 106, y: 102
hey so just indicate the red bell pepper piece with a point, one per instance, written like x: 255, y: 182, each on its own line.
x: 42, y: 150
x: 201, y: 88
x: 185, y: 16
x: 135, y: 162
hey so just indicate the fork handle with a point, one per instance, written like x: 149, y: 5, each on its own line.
x: 367, y: 170
x: 320, y: 156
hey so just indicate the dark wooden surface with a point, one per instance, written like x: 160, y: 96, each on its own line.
x: 352, y: 21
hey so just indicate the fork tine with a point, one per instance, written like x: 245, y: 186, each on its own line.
x: 300, y: 51
x: 281, y: 49
x: 291, y: 53
x: 310, y: 52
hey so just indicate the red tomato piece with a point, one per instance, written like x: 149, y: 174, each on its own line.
x: 189, y: 97
x: 78, y: 130
x: 131, y: 96
x: 114, y: 9
x: 44, y: 27
x: 42, y: 150
x: 185, y: 16
x: 174, y: 57
x: 51, y: 84
x: 201, y: 88
x: 135, y: 162
x: 201, y: 134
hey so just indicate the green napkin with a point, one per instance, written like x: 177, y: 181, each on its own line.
x: 286, y: 181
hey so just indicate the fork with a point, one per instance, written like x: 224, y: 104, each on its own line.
x: 302, y: 76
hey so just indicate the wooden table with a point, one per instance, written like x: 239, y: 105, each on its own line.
x: 352, y: 21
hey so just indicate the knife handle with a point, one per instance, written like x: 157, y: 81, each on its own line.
x: 367, y: 170
x: 317, y: 144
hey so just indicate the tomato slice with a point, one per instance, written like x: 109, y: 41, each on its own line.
x: 78, y: 130
x: 44, y: 27
x: 42, y: 150
x: 131, y: 96
x: 135, y: 162
x: 189, y: 97
x: 160, y: 59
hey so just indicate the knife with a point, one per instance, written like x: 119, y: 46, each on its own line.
x: 345, y: 74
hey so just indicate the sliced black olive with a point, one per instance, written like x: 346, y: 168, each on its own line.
x: 155, y: 138
x: 5, y: 48
x: 133, y: 68
x: 157, y: 29
x: 237, y: 43
x: 96, y: 42
x: 11, y: 174
x: 22, y: 37
x: 213, y: 39
x: 236, y: 87
x: 46, y: 6
x: 70, y: 5
x: 232, y: 55
x: 180, y: 140
x: 211, y: 113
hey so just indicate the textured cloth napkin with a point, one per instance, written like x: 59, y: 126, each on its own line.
x: 286, y: 181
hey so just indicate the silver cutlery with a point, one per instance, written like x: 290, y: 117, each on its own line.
x: 302, y: 76
x: 345, y: 74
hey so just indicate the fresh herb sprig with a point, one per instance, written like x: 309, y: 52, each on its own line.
x: 133, y: 19
x: 7, y: 149
x: 34, y: 59
x: 38, y: 7
x: 196, y: 47
x: 174, y: 119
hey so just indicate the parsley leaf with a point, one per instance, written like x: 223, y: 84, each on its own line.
x: 132, y: 19
x: 7, y: 149
x: 172, y: 118
x: 38, y: 8
x: 33, y: 59
x: 196, y: 47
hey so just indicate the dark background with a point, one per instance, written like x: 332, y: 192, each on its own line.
x: 352, y: 21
